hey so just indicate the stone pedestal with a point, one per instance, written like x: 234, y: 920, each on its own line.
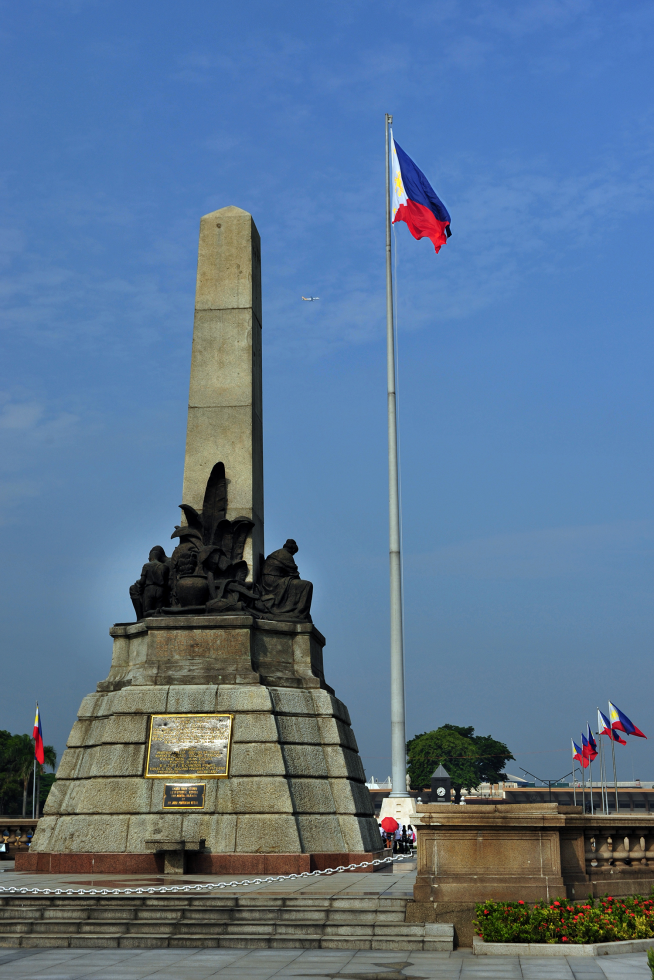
x: 402, y: 809
x: 295, y: 798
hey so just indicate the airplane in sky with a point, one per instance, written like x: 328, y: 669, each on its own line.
x: 310, y: 299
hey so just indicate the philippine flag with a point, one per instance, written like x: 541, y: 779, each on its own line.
x: 37, y: 735
x: 415, y: 201
x: 579, y: 755
x: 604, y: 728
x: 586, y: 750
x: 620, y: 722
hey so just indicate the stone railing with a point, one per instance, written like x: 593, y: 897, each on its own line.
x: 612, y: 846
x: 15, y: 834
x: 530, y: 852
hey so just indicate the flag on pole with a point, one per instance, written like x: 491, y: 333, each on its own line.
x: 579, y: 755
x: 592, y: 744
x: 586, y: 749
x: 604, y: 726
x: 37, y: 735
x: 415, y: 201
x: 620, y: 722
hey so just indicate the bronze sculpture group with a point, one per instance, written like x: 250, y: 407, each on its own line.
x: 207, y: 574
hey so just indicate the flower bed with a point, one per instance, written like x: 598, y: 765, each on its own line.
x: 594, y: 921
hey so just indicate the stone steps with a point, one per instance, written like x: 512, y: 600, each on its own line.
x: 247, y: 921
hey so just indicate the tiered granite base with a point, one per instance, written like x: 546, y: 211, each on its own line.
x: 295, y: 799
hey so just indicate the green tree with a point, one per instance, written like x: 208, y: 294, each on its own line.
x: 468, y: 758
x: 9, y: 785
x: 20, y: 755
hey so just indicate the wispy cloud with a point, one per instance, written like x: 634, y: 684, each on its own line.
x: 29, y: 430
x: 513, y: 216
x: 32, y: 421
x: 559, y: 552
x: 512, y: 219
x: 517, y: 19
x: 83, y: 293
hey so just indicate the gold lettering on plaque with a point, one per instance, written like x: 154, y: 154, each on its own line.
x: 184, y: 796
x: 189, y: 745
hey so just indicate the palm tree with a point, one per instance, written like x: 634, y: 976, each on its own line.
x: 20, y: 754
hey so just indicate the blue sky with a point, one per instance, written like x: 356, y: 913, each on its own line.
x: 525, y: 346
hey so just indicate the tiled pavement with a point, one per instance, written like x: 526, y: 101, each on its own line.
x: 265, y: 964
x: 343, y: 885
x: 284, y: 964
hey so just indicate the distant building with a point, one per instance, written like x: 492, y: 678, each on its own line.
x: 380, y: 790
x: 633, y: 797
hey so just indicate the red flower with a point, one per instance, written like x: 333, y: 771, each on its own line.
x: 520, y: 902
x: 556, y: 903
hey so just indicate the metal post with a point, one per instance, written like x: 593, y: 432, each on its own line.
x: 590, y: 774
x: 615, y: 777
x: 34, y: 788
x: 574, y: 784
x: 605, y: 792
x: 398, y: 734
x: 583, y: 786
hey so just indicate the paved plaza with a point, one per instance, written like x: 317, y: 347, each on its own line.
x: 283, y: 964
x: 390, y: 882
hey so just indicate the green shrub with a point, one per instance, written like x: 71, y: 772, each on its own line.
x: 601, y: 921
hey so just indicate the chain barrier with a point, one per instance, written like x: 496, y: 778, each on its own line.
x: 205, y: 886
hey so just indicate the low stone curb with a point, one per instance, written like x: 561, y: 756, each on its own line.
x: 480, y: 948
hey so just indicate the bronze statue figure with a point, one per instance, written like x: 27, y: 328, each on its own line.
x: 288, y: 597
x: 151, y: 592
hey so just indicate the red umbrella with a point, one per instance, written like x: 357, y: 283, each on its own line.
x: 389, y: 824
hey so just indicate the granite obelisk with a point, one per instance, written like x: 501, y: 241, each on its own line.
x: 225, y: 401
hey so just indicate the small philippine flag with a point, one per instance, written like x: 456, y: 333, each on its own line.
x: 415, y: 201
x: 586, y: 749
x: 604, y: 728
x: 37, y: 735
x: 621, y: 723
x: 578, y: 754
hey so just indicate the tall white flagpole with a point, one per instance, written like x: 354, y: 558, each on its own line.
x: 605, y: 793
x: 590, y: 772
x: 398, y: 732
x: 615, y: 776
x: 605, y: 790
x: 34, y: 777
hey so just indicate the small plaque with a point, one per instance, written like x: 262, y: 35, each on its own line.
x: 184, y: 796
x: 189, y: 745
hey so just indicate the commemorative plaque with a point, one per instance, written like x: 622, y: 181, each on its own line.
x: 189, y: 745
x: 184, y: 796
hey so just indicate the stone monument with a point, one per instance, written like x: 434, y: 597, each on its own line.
x: 215, y: 743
